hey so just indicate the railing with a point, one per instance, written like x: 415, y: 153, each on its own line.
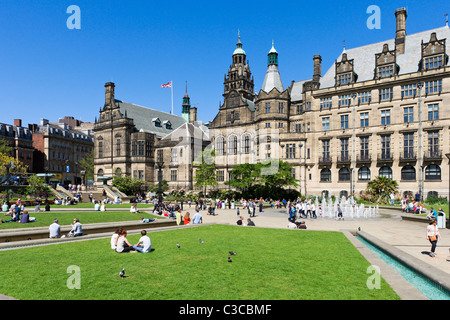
x: 408, y: 156
x: 364, y: 158
x: 344, y: 159
x: 433, y: 155
x: 385, y: 157
x: 325, y: 160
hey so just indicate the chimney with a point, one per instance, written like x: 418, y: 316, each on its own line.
x: 109, y: 94
x: 317, y: 67
x: 193, y: 115
x: 18, y: 122
x: 400, y: 33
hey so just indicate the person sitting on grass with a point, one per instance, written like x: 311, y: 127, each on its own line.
x: 144, y: 244
x: 115, y: 237
x: 25, y: 217
x: 122, y: 243
x: 15, y: 216
x: 134, y: 208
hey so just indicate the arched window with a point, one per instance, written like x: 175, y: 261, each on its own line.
x: 364, y: 174
x: 344, y: 174
x: 433, y: 172
x: 100, y: 173
x: 408, y: 173
x: 118, y: 172
x: 220, y: 146
x: 232, y: 145
x: 343, y: 193
x: 386, y: 172
x: 246, y: 144
x: 325, y: 175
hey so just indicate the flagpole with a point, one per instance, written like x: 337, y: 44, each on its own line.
x: 171, y: 90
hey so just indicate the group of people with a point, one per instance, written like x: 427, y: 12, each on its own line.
x: 16, y: 212
x: 75, y: 231
x: 120, y: 243
x: 301, y: 209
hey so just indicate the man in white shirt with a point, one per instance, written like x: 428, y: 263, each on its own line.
x: 55, y: 229
x: 144, y: 244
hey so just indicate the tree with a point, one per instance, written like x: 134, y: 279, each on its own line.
x: 87, y: 164
x: 380, y: 189
x: 155, y: 188
x: 5, y: 161
x: 36, y: 186
x: 277, y: 174
x: 5, y: 147
x: 205, y: 175
x: 128, y: 185
x: 245, y: 176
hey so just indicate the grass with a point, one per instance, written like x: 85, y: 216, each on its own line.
x: 90, y: 205
x: 44, y: 219
x: 271, y: 264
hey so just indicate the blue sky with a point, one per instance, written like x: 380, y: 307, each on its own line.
x: 49, y: 71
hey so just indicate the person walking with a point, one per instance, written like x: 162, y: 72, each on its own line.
x: 433, y: 235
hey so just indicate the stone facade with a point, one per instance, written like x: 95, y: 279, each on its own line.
x: 357, y: 121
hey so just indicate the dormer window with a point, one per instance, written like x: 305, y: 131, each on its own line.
x: 386, y: 72
x: 433, y: 54
x: 345, y: 71
x: 433, y: 62
x: 157, y: 122
x: 385, y: 63
x: 167, y: 124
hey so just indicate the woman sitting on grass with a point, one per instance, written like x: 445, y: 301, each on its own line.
x: 122, y: 243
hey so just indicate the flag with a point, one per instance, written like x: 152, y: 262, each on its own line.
x: 167, y: 85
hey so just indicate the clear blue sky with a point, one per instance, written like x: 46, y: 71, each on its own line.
x: 49, y: 71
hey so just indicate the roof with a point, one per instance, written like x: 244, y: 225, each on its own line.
x: 188, y: 130
x: 365, y: 56
x: 144, y: 118
x: 297, y: 90
x: 272, y: 79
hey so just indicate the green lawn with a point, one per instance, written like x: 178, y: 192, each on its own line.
x: 85, y: 205
x: 44, y: 219
x: 271, y: 264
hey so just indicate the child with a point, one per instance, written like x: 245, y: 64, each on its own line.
x: 237, y: 211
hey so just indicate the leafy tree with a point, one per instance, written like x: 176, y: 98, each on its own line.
x: 36, y: 186
x: 380, y: 189
x: 87, y: 164
x: 205, y: 175
x: 155, y: 188
x: 266, y: 177
x: 5, y: 161
x: 277, y: 174
x: 245, y: 176
x: 128, y: 185
x: 5, y: 147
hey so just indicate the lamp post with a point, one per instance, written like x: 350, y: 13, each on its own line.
x: 300, y: 173
x: 419, y: 87
x: 448, y: 197
x: 160, y: 165
x: 46, y: 184
x: 353, y: 170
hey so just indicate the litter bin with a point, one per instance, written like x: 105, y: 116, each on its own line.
x: 441, y: 221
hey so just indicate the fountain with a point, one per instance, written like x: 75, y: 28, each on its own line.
x: 350, y: 210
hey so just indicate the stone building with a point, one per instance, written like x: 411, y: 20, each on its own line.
x: 380, y: 109
x: 132, y: 140
x: 59, y: 148
x: 20, y: 140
